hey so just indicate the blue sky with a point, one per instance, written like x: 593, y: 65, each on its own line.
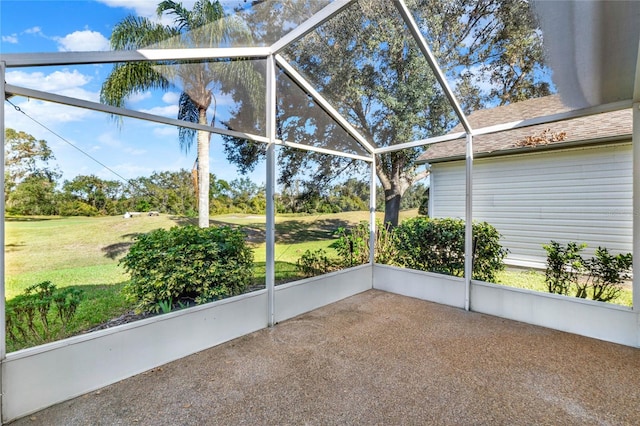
x: 133, y: 149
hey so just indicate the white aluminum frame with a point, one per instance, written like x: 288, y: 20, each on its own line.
x: 124, y: 112
x: 468, y: 216
x: 635, y: 291
x: 310, y: 24
x: 509, y: 303
x: 13, y: 60
x: 270, y: 225
x: 323, y: 103
x: 3, y: 330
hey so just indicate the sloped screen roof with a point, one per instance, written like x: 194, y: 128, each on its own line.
x: 358, y: 66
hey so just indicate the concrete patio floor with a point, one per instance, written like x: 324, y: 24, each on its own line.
x: 378, y: 358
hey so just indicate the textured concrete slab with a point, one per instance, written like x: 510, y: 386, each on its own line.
x: 378, y: 358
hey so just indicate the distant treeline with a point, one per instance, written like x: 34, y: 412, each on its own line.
x: 174, y: 193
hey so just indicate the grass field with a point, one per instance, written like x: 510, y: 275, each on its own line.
x: 83, y: 252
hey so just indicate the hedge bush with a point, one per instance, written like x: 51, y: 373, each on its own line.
x: 317, y: 262
x: 353, y: 245
x: 599, y: 278
x: 437, y: 245
x: 187, y: 264
x: 564, y: 266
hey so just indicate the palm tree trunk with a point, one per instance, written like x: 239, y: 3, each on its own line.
x: 203, y: 172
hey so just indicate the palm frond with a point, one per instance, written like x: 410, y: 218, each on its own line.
x: 134, y: 33
x: 182, y: 16
x: 129, y: 78
x: 187, y: 111
x: 206, y: 11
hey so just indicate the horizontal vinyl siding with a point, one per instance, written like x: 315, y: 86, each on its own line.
x: 447, y: 189
x: 581, y: 194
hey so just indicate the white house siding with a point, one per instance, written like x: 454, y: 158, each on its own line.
x: 580, y: 194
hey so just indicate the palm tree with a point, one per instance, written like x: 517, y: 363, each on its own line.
x: 203, y: 26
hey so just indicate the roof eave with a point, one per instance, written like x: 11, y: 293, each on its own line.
x: 539, y: 148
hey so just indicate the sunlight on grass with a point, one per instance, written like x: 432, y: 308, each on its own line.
x: 83, y: 252
x: 534, y: 280
x: 83, y: 276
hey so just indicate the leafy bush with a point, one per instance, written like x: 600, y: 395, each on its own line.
x: 187, y: 264
x: 41, y: 314
x: 314, y: 263
x: 598, y: 278
x: 564, y: 266
x: 353, y: 245
x: 607, y: 273
x: 437, y: 245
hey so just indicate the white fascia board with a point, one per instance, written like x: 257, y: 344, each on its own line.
x: 14, y: 60
x: 431, y: 59
x: 615, y: 106
x: 95, y: 106
x: 310, y: 24
x: 324, y: 104
x: 323, y: 150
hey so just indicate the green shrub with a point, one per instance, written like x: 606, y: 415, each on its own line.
x: 564, y: 266
x: 437, y: 245
x: 313, y: 263
x: 598, y: 278
x: 607, y: 274
x: 353, y: 245
x: 187, y: 264
x: 41, y: 314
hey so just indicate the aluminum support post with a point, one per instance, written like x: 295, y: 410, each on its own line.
x: 271, y: 190
x: 468, y: 221
x: 372, y: 212
x: 3, y: 340
x: 636, y: 212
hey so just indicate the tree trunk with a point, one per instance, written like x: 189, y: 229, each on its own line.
x: 392, y: 206
x: 203, y: 173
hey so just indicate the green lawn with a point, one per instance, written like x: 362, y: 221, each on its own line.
x: 83, y: 252
x: 534, y: 280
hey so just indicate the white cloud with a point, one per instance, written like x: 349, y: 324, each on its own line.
x: 54, y: 82
x: 45, y: 112
x: 170, y: 111
x: 127, y: 170
x: 223, y: 100
x: 114, y: 143
x: 80, y: 93
x: 82, y: 41
x: 164, y: 131
x: 63, y: 82
x: 139, y: 97
x: 109, y: 140
x: 134, y: 151
x: 146, y: 8
x: 171, y: 98
x: 33, y: 30
x: 12, y: 39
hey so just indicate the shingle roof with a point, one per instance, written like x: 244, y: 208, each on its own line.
x: 616, y: 125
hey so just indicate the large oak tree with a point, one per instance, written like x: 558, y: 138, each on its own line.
x: 366, y: 64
